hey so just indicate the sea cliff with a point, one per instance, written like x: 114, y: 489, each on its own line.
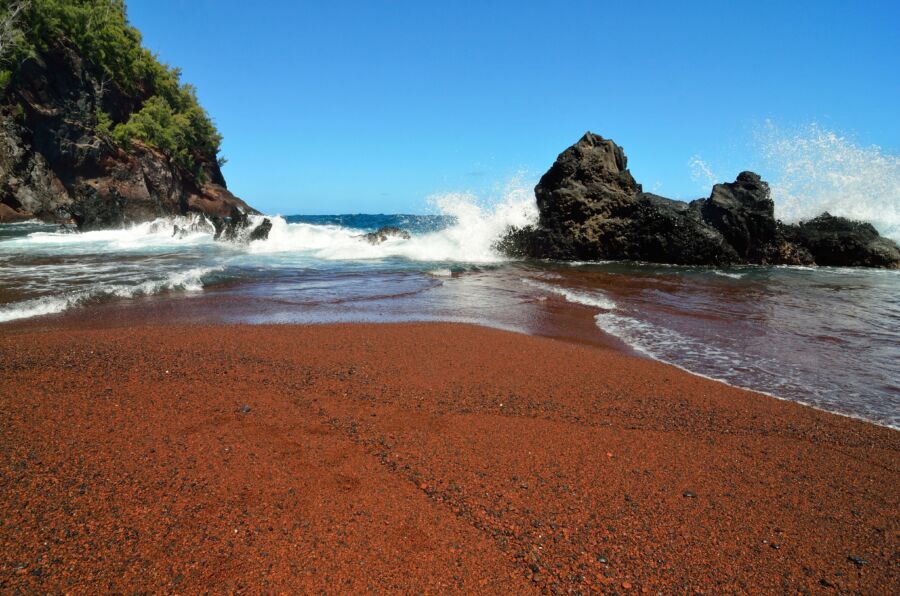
x: 93, y: 128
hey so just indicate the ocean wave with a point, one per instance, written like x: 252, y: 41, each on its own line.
x: 815, y: 170
x: 26, y: 222
x: 473, y: 230
x: 162, y: 233
x: 593, y: 298
x: 190, y: 280
x: 693, y: 355
x: 470, y: 239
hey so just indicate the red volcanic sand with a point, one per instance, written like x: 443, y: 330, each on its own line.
x: 420, y: 457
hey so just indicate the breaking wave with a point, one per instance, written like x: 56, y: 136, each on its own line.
x: 470, y: 237
x: 594, y: 298
x: 160, y: 234
x: 813, y: 170
x: 190, y: 280
x: 58, y: 269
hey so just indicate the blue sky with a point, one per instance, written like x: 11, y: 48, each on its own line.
x: 371, y: 106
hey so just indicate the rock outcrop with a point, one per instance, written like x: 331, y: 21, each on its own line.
x: 240, y: 228
x: 57, y: 165
x: 591, y: 208
x: 383, y: 233
x: 842, y: 242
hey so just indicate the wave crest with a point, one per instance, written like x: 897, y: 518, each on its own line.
x: 190, y: 280
x: 814, y: 170
x: 470, y: 238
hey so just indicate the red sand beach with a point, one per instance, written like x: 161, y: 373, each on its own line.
x: 420, y: 458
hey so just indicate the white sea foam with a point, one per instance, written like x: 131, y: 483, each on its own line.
x: 470, y: 239
x: 190, y: 280
x: 27, y: 222
x: 661, y: 344
x: 728, y: 274
x: 723, y: 365
x: 593, y: 298
x: 157, y: 234
x: 812, y: 169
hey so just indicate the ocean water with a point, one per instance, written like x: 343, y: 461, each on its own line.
x: 826, y: 337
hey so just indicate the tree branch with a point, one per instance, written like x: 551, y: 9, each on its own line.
x: 8, y: 24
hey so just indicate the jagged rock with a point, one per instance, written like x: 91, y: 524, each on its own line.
x: 837, y: 241
x: 239, y: 228
x: 589, y: 179
x: 55, y: 165
x: 27, y: 184
x: 261, y: 232
x: 591, y: 208
x: 744, y: 213
x: 383, y: 233
x: 198, y: 224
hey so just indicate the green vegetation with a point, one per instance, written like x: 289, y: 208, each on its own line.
x: 170, y: 117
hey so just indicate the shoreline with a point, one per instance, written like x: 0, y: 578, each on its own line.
x: 149, y: 311
x: 441, y: 455
x: 638, y: 353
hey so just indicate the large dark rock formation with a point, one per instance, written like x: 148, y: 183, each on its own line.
x: 56, y: 166
x: 591, y: 208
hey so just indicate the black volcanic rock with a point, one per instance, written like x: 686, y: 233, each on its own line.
x: 591, y: 208
x: 261, y: 232
x: 744, y: 213
x: 239, y: 228
x: 383, y: 233
x: 589, y: 179
x: 837, y: 241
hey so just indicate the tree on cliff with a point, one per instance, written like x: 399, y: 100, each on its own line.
x: 94, y: 128
x: 166, y: 112
x: 9, y: 30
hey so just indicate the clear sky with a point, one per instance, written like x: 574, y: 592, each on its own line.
x: 371, y: 106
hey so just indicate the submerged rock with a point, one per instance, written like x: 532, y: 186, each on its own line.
x: 261, y: 231
x: 239, y: 227
x: 591, y: 208
x: 197, y: 224
x: 383, y: 233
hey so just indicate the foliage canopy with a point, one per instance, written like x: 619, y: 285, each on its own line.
x: 170, y: 117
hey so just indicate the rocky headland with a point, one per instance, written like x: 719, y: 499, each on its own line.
x: 591, y: 208
x: 94, y: 130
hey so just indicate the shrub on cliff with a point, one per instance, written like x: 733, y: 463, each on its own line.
x: 169, y: 116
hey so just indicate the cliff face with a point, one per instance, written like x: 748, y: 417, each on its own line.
x: 58, y: 165
x: 591, y: 208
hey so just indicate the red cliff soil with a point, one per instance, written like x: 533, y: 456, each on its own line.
x: 420, y: 457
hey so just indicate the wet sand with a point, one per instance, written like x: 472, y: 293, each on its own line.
x: 420, y: 457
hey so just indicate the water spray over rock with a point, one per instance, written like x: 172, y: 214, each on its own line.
x: 591, y: 208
